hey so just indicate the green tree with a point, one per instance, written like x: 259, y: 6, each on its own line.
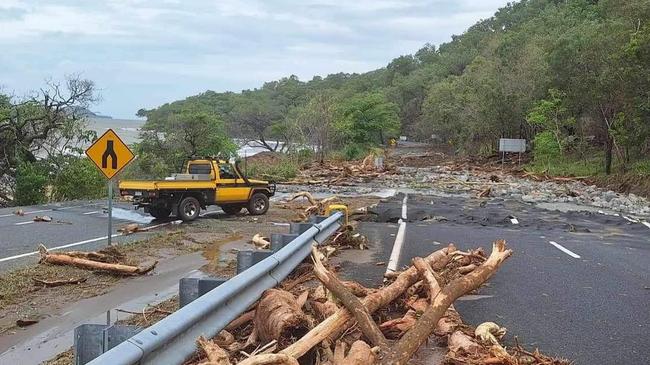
x: 552, y: 115
x: 73, y: 170
x: 315, y: 122
x: 367, y: 119
x: 31, y: 183
x: 255, y: 115
x: 182, y: 136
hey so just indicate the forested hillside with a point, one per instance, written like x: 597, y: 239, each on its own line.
x: 571, y: 76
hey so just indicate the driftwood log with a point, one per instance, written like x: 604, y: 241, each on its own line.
x: 360, y: 354
x: 353, y: 304
x: 279, y: 317
x: 55, y: 283
x: 342, y: 319
x: 215, y: 354
x: 63, y: 259
x: 414, y: 338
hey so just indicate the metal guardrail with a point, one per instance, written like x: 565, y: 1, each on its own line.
x: 173, y: 339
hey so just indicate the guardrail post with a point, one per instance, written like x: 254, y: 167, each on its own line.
x: 246, y: 259
x: 88, y: 342
x: 92, y: 340
x: 205, y: 285
x: 188, y: 290
x: 317, y: 218
x: 279, y: 240
x: 299, y: 228
x: 117, y: 333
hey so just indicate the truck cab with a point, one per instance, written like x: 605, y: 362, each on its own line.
x: 201, y: 183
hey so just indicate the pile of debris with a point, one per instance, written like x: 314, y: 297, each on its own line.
x: 488, y: 181
x: 331, y: 321
x: 341, y: 173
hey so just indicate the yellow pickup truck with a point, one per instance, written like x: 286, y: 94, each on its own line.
x: 203, y: 182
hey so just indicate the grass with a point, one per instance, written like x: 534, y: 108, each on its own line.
x: 281, y: 167
x: 592, y: 165
x: 17, y: 287
x: 283, y: 170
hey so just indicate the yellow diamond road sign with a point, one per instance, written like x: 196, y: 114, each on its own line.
x: 110, y: 154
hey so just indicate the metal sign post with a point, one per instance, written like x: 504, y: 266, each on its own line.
x: 110, y: 212
x: 110, y: 154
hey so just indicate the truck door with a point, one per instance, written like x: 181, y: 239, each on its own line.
x: 230, y: 186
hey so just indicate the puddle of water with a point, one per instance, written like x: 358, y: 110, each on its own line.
x: 131, y: 215
x: 212, y: 251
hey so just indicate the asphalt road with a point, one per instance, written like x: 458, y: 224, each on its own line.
x: 586, y: 298
x: 79, y: 225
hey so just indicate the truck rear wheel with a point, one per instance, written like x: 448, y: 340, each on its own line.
x: 159, y: 213
x: 231, y: 209
x: 258, y: 204
x: 189, y: 209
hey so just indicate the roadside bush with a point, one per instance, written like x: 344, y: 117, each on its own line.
x: 546, y: 148
x: 354, y: 152
x: 31, y: 184
x: 282, y: 170
x: 78, y: 179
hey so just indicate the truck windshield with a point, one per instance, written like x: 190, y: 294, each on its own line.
x: 200, y: 168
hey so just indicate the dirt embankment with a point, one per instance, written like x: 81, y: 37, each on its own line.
x: 624, y: 183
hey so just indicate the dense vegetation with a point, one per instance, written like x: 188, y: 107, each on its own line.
x: 571, y: 76
x: 41, y: 140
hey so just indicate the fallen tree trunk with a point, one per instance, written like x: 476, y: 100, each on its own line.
x: 350, y: 301
x: 414, y: 338
x: 279, y: 317
x: 341, y: 319
x: 63, y: 259
x: 109, y: 254
x: 241, y: 320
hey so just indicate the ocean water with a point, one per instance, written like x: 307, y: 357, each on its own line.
x: 129, y: 132
x: 127, y: 129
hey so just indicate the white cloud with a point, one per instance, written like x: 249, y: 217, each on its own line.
x: 59, y: 19
x: 145, y: 52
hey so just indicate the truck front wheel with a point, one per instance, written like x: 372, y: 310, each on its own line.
x: 188, y: 209
x: 258, y: 204
x: 159, y: 213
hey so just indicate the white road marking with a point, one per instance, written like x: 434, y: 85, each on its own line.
x: 646, y: 224
x: 565, y: 250
x: 45, y: 210
x: 630, y: 219
x: 23, y: 223
x: 399, y: 240
x: 93, y: 212
x: 59, y: 247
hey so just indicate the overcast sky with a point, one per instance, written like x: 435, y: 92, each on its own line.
x: 143, y: 53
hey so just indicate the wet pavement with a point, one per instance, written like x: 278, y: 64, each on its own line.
x: 584, y: 297
x: 54, y: 334
x: 78, y: 225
